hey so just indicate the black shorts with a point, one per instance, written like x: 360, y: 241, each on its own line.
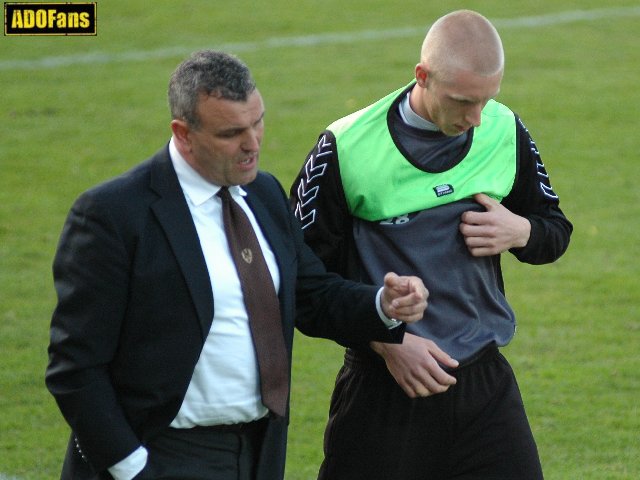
x: 478, y: 429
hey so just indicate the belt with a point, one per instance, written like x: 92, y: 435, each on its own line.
x: 238, y: 428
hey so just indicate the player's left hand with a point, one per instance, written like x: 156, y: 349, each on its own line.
x: 495, y: 230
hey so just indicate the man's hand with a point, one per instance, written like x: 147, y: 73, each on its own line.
x: 414, y: 365
x: 494, y: 231
x: 403, y: 298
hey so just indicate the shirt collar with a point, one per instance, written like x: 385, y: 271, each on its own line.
x: 193, y: 184
x: 412, y: 119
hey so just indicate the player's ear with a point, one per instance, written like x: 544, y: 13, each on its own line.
x: 422, y: 73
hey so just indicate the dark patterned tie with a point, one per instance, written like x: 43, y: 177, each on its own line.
x: 261, y: 302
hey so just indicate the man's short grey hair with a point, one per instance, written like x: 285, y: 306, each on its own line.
x: 207, y: 72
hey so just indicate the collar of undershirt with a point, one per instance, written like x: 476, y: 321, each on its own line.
x: 412, y: 119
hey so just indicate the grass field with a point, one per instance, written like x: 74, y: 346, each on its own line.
x: 78, y: 110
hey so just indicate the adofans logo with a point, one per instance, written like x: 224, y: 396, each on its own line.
x: 50, y: 18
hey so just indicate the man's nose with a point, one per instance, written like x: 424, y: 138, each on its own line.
x: 473, y: 115
x: 251, y: 141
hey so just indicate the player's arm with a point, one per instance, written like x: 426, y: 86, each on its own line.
x: 318, y: 201
x: 528, y: 222
x: 533, y: 198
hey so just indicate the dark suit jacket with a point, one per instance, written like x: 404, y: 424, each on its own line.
x: 135, y: 306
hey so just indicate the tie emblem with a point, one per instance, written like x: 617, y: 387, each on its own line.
x: 247, y: 255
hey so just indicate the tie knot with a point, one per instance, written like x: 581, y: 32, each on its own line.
x: 224, y: 194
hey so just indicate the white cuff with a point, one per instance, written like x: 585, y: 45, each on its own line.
x: 131, y: 466
x: 389, y: 322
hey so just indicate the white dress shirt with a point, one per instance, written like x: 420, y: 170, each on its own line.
x: 225, y: 387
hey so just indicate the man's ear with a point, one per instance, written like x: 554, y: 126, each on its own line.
x: 421, y: 75
x: 180, y: 130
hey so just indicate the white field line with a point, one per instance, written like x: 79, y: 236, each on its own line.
x: 93, y: 58
x: 8, y: 477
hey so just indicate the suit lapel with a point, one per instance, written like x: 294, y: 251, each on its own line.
x: 173, y: 214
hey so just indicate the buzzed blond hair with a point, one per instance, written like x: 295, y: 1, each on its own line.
x: 462, y: 40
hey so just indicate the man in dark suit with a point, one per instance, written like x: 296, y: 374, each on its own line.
x: 151, y: 358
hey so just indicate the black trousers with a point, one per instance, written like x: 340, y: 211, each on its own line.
x: 205, y: 453
x: 476, y: 430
